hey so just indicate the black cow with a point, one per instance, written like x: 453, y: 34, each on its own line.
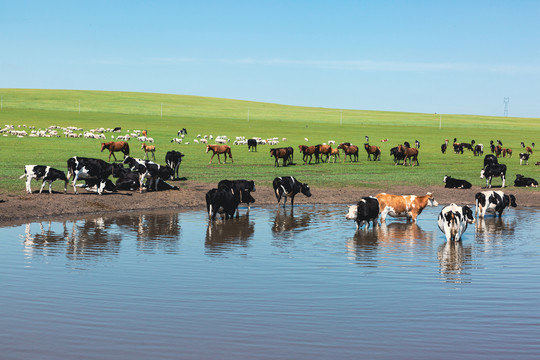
x: 173, y: 159
x: 88, y: 168
x: 417, y: 144
x: 523, y: 158
x: 490, y: 159
x: 451, y: 183
x: 522, y: 181
x: 182, y: 132
x: 252, y: 144
x: 243, y: 187
x: 491, y: 171
x: 288, y: 186
x: 365, y: 211
x: 223, y: 200
x: 458, y: 148
x: 127, y: 179
x: 45, y: 173
x: 149, y: 170
x: 493, y: 201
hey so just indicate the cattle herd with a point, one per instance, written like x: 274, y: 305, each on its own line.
x: 140, y: 174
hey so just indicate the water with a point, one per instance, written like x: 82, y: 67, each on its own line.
x: 273, y: 285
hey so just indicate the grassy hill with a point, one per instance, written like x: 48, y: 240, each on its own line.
x: 162, y: 115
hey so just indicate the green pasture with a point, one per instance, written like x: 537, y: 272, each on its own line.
x: 162, y: 115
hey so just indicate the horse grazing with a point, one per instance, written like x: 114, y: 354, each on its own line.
x: 148, y: 149
x: 373, y: 150
x: 281, y: 153
x: 219, y: 149
x: 349, y: 150
x: 410, y: 153
x: 309, y: 151
x: 115, y: 146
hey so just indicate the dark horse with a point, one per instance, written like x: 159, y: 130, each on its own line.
x: 373, y: 150
x: 115, y: 146
x: 219, y: 149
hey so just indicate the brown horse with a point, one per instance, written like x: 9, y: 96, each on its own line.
x: 373, y: 150
x: 324, y: 150
x: 309, y: 151
x: 335, y: 154
x: 507, y: 152
x: 115, y: 146
x: 349, y: 150
x: 219, y: 149
x: 148, y: 149
x: 410, y: 153
x: 529, y: 150
x: 281, y: 153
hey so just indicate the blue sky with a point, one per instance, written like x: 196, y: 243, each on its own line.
x: 461, y: 57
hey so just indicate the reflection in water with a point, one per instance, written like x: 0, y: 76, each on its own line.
x: 394, y: 236
x: 286, y: 224
x: 222, y: 236
x: 493, y: 232
x: 100, y: 237
x: 454, y: 261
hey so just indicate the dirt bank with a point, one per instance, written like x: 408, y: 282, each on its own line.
x: 25, y: 207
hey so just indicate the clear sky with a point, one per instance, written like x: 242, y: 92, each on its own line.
x: 460, y: 57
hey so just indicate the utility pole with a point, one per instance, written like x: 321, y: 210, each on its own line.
x: 506, y: 101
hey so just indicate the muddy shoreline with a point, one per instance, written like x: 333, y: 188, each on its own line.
x: 19, y: 208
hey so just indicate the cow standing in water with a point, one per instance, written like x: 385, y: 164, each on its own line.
x: 409, y: 206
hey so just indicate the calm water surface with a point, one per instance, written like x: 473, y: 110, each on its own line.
x: 273, y: 285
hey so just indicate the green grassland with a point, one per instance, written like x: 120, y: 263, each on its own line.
x: 162, y: 115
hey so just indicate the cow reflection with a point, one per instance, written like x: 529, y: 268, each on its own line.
x: 495, y: 225
x: 93, y: 237
x: 223, y: 236
x: 285, y: 221
x: 46, y: 241
x: 155, y: 231
x: 392, y: 237
x: 454, y: 261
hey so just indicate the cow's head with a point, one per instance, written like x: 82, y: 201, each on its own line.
x: 444, y: 179
x: 431, y: 200
x: 305, y: 190
x: 353, y: 212
x: 468, y: 214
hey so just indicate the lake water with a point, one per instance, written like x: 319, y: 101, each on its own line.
x: 273, y: 285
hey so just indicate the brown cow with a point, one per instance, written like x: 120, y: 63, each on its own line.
x: 409, y: 206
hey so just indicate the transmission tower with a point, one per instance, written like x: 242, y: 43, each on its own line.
x: 506, y: 101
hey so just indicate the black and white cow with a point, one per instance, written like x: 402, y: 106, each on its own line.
x: 173, y: 159
x: 88, y: 168
x: 288, y: 186
x: 149, y: 170
x: 182, y: 132
x: 453, y: 221
x: 451, y: 183
x: 365, y: 211
x: 522, y: 181
x: 244, y: 187
x: 252, y: 144
x: 490, y: 159
x: 45, y: 173
x: 478, y: 150
x: 493, y: 202
x: 491, y: 171
x: 223, y: 200
x: 523, y: 158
